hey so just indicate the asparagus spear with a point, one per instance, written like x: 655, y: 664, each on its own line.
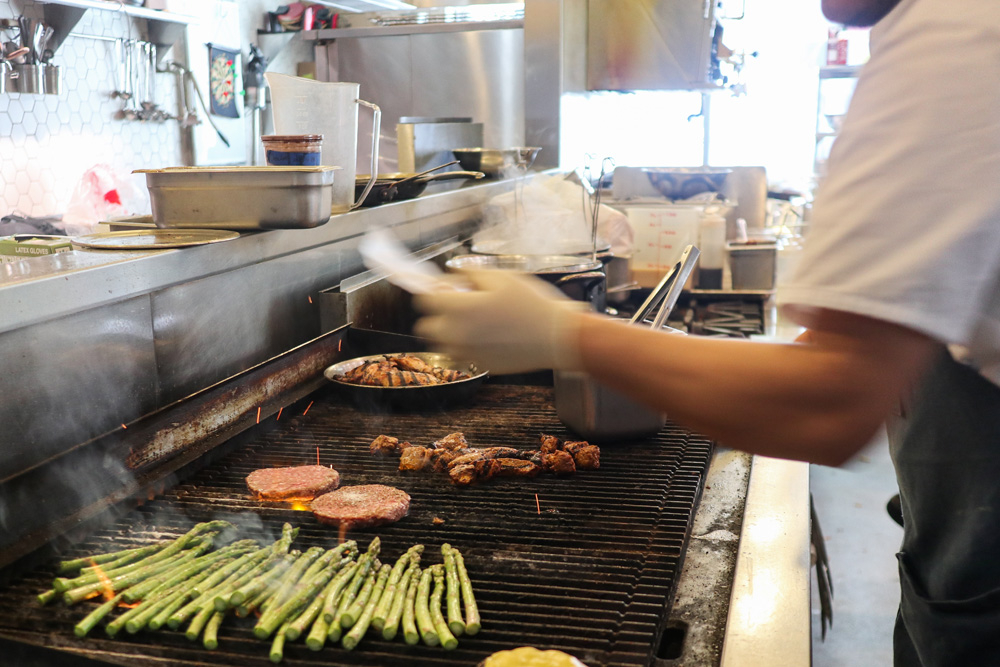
x: 422, y: 609
x: 67, y: 566
x: 167, y: 553
x: 472, y: 620
x: 162, y: 599
x: 341, y: 582
x: 277, y: 615
x: 199, y: 621
x: 120, y: 582
x: 87, y: 624
x: 210, y: 640
x: 447, y: 639
x: 455, y: 622
x: 284, y: 587
x: 258, y: 584
x: 308, y: 616
x: 126, y: 557
x: 391, y: 626
x: 385, y: 604
x: 353, y: 612
x: 48, y: 596
x: 197, y: 604
x: 284, y: 543
x: 184, y: 571
x: 321, y: 626
x: 357, y: 633
x: 365, y: 564
x: 177, y: 599
x: 410, y: 633
x: 278, y: 645
x: 180, y: 609
x: 221, y: 591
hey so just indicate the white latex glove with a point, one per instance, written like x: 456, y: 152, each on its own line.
x: 512, y: 323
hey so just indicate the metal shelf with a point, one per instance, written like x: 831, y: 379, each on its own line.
x: 164, y: 28
x: 359, y: 6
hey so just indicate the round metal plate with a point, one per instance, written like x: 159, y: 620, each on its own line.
x: 153, y: 239
x: 411, y: 397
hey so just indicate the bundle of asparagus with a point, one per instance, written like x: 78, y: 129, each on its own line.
x: 332, y: 595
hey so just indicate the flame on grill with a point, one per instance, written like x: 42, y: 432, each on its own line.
x: 299, y: 506
x: 342, y: 533
x: 108, y: 590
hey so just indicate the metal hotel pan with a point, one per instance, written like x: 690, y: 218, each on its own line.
x: 424, y: 397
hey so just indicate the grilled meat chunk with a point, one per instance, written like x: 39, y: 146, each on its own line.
x: 474, y: 455
x: 408, y: 362
x: 452, y: 441
x: 515, y: 468
x: 549, y: 444
x: 534, y: 455
x: 463, y: 475
x: 449, y: 375
x: 385, y: 445
x: 441, y: 458
x: 396, y: 378
x: 561, y: 463
x: 415, y: 458
x: 588, y: 457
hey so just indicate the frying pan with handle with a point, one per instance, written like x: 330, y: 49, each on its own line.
x: 400, y: 187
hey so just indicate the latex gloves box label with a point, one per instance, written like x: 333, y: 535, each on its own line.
x: 25, y: 246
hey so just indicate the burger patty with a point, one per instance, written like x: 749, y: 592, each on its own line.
x: 296, y: 482
x: 361, y: 506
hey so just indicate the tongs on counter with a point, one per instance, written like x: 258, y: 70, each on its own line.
x: 667, y: 292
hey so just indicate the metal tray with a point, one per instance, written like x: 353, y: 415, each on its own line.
x: 409, y: 398
x: 152, y: 239
x: 240, y: 198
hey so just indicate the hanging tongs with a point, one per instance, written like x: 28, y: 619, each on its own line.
x: 667, y: 291
x: 595, y: 212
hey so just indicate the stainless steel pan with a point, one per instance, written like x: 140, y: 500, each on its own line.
x: 428, y: 397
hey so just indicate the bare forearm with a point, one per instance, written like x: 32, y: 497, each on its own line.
x: 811, y: 402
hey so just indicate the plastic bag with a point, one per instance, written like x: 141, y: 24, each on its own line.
x: 548, y: 215
x: 99, y: 195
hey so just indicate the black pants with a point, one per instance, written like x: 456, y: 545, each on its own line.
x: 946, y: 449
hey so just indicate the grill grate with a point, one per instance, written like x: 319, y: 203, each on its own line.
x: 591, y: 574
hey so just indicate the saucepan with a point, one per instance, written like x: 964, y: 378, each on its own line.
x: 400, y: 187
x: 495, y: 162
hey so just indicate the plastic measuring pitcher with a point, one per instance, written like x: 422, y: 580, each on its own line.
x: 306, y: 106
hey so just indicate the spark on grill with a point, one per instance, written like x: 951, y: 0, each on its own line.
x: 258, y: 414
x: 279, y: 414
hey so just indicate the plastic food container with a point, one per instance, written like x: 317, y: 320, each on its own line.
x: 293, y: 150
x: 240, y: 198
x: 753, y: 264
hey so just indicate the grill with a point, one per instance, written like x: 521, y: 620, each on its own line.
x: 589, y: 568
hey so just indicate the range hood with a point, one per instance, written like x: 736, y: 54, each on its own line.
x: 652, y: 45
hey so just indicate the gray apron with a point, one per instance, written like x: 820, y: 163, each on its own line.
x: 947, y: 455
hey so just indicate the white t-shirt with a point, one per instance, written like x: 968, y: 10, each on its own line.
x: 906, y: 224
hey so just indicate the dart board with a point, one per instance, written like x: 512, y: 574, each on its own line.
x: 222, y: 81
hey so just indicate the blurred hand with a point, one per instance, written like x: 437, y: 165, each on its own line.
x: 512, y: 323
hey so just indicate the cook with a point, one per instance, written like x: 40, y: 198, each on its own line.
x: 898, y: 287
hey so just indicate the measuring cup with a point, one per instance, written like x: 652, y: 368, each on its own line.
x: 305, y: 106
